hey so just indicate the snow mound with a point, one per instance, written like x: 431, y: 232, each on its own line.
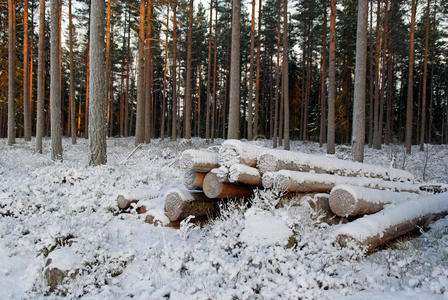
x: 264, y: 229
x: 65, y: 259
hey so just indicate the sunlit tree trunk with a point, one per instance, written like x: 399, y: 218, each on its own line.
x: 55, y: 87
x: 97, y: 114
x: 140, y: 118
x: 332, y: 82
x: 11, y: 71
x: 188, y: 100
x: 26, y: 77
x: 148, y: 78
x: 86, y: 116
x: 234, y: 103
x: 174, y: 112
x: 251, y: 74
x: 40, y: 79
x: 72, y: 78
x: 209, y: 67
x: 359, y: 115
x: 214, y: 74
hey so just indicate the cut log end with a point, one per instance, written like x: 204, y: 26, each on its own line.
x: 193, y: 180
x: 342, y: 203
x: 180, y: 204
x: 215, y: 189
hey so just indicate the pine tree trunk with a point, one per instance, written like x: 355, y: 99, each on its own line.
x: 72, y: 77
x: 251, y: 74
x: 257, y: 80
x: 359, y: 116
x: 388, y: 133
x: 97, y: 114
x: 209, y: 66
x: 425, y: 75
x: 148, y: 81
x: 234, y: 103
x: 55, y: 87
x: 126, y: 98
x: 31, y: 68
x: 40, y: 79
x: 108, y: 65
x: 214, y: 74
x: 371, y: 76
x: 376, y: 137
x: 410, y: 96
x: 140, y: 118
x: 332, y: 82
x: 285, y: 82
x: 11, y: 71
x: 174, y: 112
x: 188, y: 79
x: 323, y: 79
x: 277, y: 79
x: 162, y: 126
x: 122, y: 82
x: 26, y: 77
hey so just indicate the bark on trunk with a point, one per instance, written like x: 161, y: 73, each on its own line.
x: 188, y: 100
x: 55, y: 88
x: 425, y: 75
x: 193, y: 180
x: 72, y: 76
x: 285, y: 81
x: 97, y: 108
x: 410, y: 96
x: 174, y: 106
x: 40, y: 80
x: 332, y: 81
x: 323, y: 86
x: 251, y: 74
x: 209, y: 66
x: 11, y: 71
x: 26, y: 77
x: 257, y: 81
x: 140, y: 118
x: 162, y: 125
x: 277, y: 82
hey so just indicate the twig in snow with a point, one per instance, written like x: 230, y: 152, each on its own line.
x: 132, y: 153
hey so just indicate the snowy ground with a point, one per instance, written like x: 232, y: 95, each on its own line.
x: 68, y: 209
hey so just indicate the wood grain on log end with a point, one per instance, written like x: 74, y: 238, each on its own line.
x: 214, y: 189
x: 180, y: 204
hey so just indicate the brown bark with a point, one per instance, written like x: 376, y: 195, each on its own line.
x: 371, y: 75
x: 251, y: 74
x: 379, y: 46
x: 332, y: 82
x: 257, y: 80
x: 140, y: 118
x: 148, y: 72
x: 188, y: 100
x: 174, y: 106
x: 26, y: 77
x: 11, y: 71
x: 323, y: 79
x: 215, y: 189
x: 209, y: 66
x: 126, y: 98
x: 410, y: 96
x: 162, y: 125
x: 180, y: 204
x: 277, y: 80
x: 425, y: 77
x: 214, y: 74
x: 72, y: 76
x: 40, y: 79
x: 285, y: 81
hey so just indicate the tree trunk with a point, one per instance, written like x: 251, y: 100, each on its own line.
x: 11, y: 71
x: 40, y: 80
x: 148, y: 72
x: 72, y: 77
x: 121, y: 121
x: 162, y: 125
x: 257, y: 80
x: 97, y: 114
x: 180, y: 204
x: 26, y: 77
x: 371, y: 75
x: 332, y: 82
x: 285, y: 81
x: 234, y: 107
x: 108, y: 67
x: 209, y: 66
x: 251, y: 74
x: 55, y: 87
x: 174, y: 112
x: 425, y: 75
x: 359, y: 104
x: 214, y: 189
x: 277, y: 79
x: 193, y: 180
x: 410, y: 96
x: 86, y: 117
x: 214, y: 74
x: 126, y: 99
x: 140, y: 118
x: 323, y: 80
x: 188, y: 79
x: 379, y: 43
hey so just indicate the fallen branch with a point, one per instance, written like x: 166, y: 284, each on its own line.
x: 350, y: 201
x: 392, y: 222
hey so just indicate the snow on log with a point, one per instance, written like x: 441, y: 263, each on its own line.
x: 179, y: 204
x: 221, y: 173
x: 349, y: 200
x: 199, y: 160
x: 238, y: 152
x: 193, y: 180
x: 276, y: 160
x: 244, y: 174
x: 293, y: 181
x: 213, y: 188
x: 126, y: 199
x: 393, y: 221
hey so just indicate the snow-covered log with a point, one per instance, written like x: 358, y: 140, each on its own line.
x: 222, y: 173
x: 193, y: 180
x: 276, y: 160
x: 238, y: 152
x: 126, y: 199
x: 199, y: 160
x: 393, y: 221
x: 350, y: 201
x: 244, y: 174
x: 179, y: 204
x: 293, y: 181
x: 214, y: 189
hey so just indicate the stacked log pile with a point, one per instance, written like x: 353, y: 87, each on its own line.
x: 386, y: 201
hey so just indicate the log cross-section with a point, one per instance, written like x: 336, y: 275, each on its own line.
x: 180, y: 204
x: 213, y: 188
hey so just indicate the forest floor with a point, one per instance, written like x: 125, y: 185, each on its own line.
x: 52, y: 206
